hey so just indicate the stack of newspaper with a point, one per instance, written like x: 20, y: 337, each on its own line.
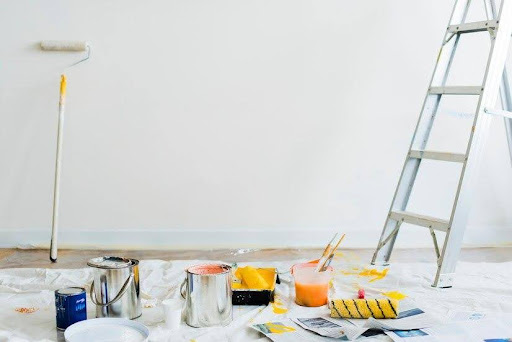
x: 412, y: 325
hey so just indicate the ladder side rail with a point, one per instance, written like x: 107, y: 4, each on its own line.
x: 505, y: 96
x: 460, y: 211
x: 506, y: 104
x: 422, y: 131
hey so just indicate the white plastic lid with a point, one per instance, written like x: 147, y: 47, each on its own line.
x: 107, y: 330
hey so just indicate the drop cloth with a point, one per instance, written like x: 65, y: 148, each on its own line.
x: 482, y: 287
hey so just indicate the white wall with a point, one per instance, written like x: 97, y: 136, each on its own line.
x: 226, y: 123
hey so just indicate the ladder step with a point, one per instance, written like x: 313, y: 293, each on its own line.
x: 500, y: 112
x: 456, y: 90
x: 477, y: 26
x: 434, y: 155
x: 420, y: 220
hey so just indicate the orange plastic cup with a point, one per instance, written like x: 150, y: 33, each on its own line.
x: 311, y: 287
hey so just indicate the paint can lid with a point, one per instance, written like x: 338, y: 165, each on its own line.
x: 70, y: 291
x: 111, y: 262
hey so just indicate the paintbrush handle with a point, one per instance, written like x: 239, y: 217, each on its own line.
x: 63, y: 85
x: 56, y: 184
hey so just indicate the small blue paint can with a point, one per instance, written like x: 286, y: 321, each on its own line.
x: 70, y: 306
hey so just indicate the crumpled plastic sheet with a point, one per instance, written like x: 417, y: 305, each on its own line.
x: 478, y: 287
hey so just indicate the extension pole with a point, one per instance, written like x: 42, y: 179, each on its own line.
x: 60, y: 132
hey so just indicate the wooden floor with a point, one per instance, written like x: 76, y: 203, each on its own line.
x: 15, y: 258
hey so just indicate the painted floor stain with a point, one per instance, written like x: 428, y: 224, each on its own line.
x: 395, y: 295
x: 278, y: 328
x: 370, y: 273
x: 277, y: 307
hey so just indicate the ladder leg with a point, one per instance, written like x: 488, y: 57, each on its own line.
x: 460, y: 212
x: 386, y: 243
x: 419, y: 141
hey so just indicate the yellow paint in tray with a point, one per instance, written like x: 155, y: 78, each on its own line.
x: 255, y: 278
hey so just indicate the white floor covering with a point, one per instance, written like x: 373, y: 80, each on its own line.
x: 482, y: 287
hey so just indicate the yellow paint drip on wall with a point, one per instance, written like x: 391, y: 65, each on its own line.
x: 395, y: 295
x: 278, y: 328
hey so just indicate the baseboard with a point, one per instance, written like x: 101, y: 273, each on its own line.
x: 357, y: 237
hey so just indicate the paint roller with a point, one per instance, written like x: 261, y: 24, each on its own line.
x: 60, y: 45
x: 364, y: 308
x: 67, y: 45
x: 64, y: 45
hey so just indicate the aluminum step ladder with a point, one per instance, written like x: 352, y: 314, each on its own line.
x: 495, y: 81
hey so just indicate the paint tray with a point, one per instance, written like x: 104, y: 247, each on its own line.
x: 246, y: 296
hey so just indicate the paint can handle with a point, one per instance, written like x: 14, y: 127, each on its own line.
x: 116, y: 298
x: 182, y: 292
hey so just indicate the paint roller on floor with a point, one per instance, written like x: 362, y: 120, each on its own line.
x: 60, y: 45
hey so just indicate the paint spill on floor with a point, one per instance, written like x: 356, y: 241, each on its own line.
x: 26, y: 310
x: 376, y: 274
x: 277, y: 307
x: 370, y: 273
x: 277, y: 328
x: 395, y: 295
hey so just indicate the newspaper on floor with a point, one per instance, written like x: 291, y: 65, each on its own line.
x: 410, y: 318
x: 289, y: 331
x: 473, y: 330
x: 330, y: 327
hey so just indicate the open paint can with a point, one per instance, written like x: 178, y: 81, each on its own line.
x: 115, y: 289
x: 207, y: 292
x: 311, y: 287
x: 70, y: 306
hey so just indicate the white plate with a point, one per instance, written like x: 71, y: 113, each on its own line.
x: 107, y: 330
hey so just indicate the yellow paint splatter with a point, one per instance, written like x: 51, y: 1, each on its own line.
x: 277, y: 307
x: 371, y: 273
x: 374, y: 273
x: 395, y: 295
x: 276, y: 328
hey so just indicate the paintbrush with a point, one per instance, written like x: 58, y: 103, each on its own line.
x: 328, y: 260
x: 325, y: 254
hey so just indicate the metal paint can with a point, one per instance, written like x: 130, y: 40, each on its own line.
x: 115, y: 289
x: 70, y: 306
x: 208, y: 295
